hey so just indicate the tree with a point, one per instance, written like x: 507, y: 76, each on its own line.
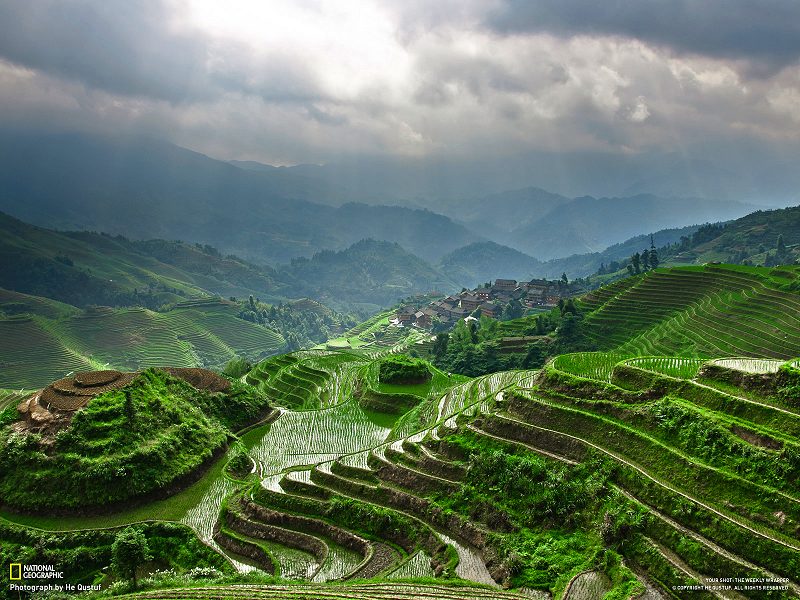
x: 488, y: 329
x: 654, y: 260
x: 129, y: 551
x: 780, y: 252
x: 513, y: 310
x: 460, y: 337
x: 237, y: 367
x: 645, y: 259
x: 541, y: 326
x: 636, y: 261
x: 564, y: 278
x: 534, y: 357
x: 440, y: 345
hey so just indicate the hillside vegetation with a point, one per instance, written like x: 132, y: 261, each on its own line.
x: 125, y: 443
x: 83, y: 268
x: 370, y: 275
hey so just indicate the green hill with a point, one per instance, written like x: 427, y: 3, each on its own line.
x: 596, y: 476
x: 82, y: 268
x: 752, y: 239
x: 713, y: 310
x: 480, y: 262
x: 85, y: 268
x: 368, y: 272
x: 706, y: 311
x: 747, y: 239
x: 43, y: 346
x: 125, y: 443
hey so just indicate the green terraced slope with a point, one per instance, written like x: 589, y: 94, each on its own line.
x: 713, y: 310
x: 38, y: 349
x: 602, y: 473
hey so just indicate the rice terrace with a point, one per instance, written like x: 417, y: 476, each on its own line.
x: 399, y: 300
x: 362, y: 472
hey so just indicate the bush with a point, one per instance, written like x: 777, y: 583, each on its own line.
x: 240, y: 464
x: 129, y: 551
x: 403, y: 369
x: 237, y: 368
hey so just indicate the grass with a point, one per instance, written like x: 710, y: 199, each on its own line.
x: 32, y: 356
x: 174, y: 508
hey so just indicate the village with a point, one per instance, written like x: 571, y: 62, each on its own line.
x: 488, y: 300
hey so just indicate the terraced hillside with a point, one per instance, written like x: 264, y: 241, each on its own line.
x: 707, y: 311
x: 602, y: 475
x: 37, y: 349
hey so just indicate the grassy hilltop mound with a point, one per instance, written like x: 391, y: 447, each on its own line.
x: 131, y: 440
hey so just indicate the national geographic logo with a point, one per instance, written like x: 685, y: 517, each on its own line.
x: 19, y: 571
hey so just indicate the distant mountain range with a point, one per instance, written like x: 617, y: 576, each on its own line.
x: 547, y: 226
x: 144, y: 189
x: 147, y: 189
x: 771, y: 179
x: 590, y: 224
x: 85, y: 268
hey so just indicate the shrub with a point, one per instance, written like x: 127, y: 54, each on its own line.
x: 403, y: 369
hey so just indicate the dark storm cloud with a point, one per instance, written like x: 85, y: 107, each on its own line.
x: 286, y: 81
x: 764, y: 32
x: 118, y: 46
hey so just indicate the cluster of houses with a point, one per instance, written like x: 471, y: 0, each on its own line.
x: 489, y: 300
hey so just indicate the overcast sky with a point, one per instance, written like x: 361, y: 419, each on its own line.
x: 314, y: 81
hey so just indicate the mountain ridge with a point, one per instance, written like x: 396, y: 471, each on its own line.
x: 143, y: 188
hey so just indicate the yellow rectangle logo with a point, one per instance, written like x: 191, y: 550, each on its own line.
x: 15, y: 568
